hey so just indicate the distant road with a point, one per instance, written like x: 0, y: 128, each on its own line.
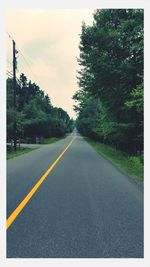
x: 85, y: 208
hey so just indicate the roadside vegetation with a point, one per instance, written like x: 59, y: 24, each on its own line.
x: 36, y: 119
x: 131, y: 165
x: 23, y: 150
x: 51, y: 140
x: 109, y: 101
x: 19, y: 152
x: 35, y: 116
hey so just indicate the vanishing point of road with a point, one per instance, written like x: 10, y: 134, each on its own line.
x: 64, y: 200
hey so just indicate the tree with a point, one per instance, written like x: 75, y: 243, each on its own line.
x: 35, y: 115
x: 111, y: 60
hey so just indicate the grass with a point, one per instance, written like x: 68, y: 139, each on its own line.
x: 51, y: 140
x: 12, y: 154
x: 130, y: 164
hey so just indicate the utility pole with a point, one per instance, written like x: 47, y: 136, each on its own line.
x: 14, y: 94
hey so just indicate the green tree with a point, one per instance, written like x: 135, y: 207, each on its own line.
x: 111, y: 60
x: 34, y: 114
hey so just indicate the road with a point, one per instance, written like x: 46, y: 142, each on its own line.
x: 85, y: 208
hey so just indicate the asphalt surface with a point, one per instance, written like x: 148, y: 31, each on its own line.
x: 86, y: 207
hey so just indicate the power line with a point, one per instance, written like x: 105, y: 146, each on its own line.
x: 28, y: 64
x: 9, y: 72
x: 9, y: 76
x: 10, y: 36
x: 24, y: 58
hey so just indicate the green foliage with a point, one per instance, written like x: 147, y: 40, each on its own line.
x: 35, y: 116
x: 12, y: 154
x: 51, y: 140
x: 109, y: 102
x: 131, y: 165
x: 136, y: 101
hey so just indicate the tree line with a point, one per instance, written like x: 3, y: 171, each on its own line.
x: 110, y: 96
x: 35, y: 115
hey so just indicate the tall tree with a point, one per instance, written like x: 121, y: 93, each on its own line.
x: 111, y: 60
x: 35, y: 115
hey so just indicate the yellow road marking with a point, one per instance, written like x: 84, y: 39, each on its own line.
x: 23, y: 203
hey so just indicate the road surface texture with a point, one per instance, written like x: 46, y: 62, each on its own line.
x: 85, y: 208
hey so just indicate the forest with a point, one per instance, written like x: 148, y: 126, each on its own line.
x: 35, y: 115
x: 109, y: 101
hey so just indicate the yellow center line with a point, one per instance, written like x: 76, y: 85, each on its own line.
x: 23, y: 203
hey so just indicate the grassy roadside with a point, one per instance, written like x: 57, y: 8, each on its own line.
x: 23, y: 150
x: 51, y: 140
x: 12, y: 154
x: 129, y: 164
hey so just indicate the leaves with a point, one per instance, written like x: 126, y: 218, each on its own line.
x: 111, y: 78
x: 136, y: 101
x: 35, y: 116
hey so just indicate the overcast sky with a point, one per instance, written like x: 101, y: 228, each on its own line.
x: 49, y: 40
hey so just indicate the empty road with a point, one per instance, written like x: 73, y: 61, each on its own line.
x: 84, y: 208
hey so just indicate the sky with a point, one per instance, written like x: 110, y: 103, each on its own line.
x: 48, y: 41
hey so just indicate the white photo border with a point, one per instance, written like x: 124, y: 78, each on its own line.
x: 78, y: 4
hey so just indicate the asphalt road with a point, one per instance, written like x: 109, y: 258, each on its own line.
x: 85, y: 208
